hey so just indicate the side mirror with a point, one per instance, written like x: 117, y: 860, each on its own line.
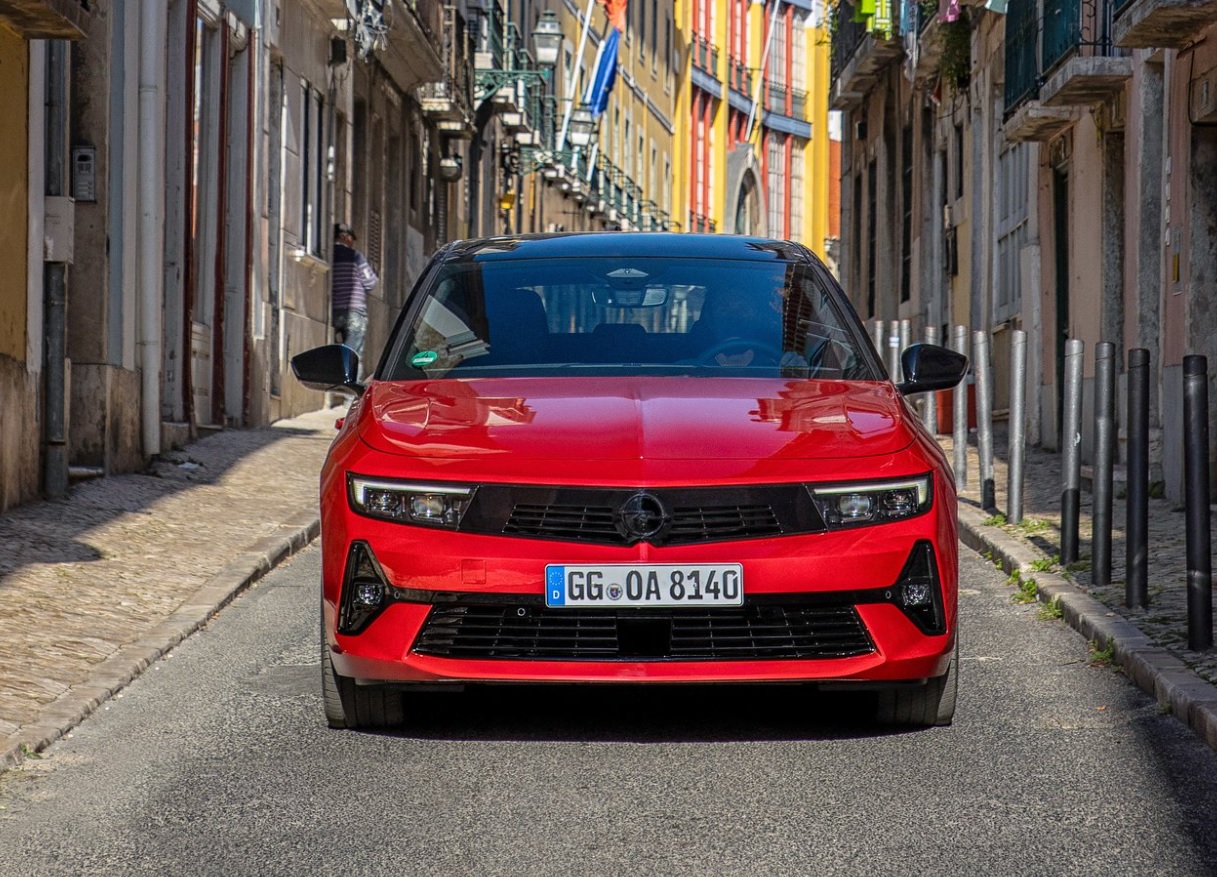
x: 928, y: 367
x: 332, y: 367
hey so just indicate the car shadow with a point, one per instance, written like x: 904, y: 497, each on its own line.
x: 634, y: 714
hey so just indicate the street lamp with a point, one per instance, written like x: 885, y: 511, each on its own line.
x: 547, y: 39
x: 581, y: 125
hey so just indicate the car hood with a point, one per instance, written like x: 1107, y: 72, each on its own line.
x: 650, y: 419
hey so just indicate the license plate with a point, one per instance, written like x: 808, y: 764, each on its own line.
x: 656, y: 584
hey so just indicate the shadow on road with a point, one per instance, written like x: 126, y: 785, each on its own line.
x: 655, y: 714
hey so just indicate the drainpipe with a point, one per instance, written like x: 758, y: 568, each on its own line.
x: 151, y: 217
x: 55, y: 463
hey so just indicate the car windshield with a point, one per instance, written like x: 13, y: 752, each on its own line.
x: 622, y: 315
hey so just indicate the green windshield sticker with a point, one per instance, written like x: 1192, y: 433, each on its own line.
x: 423, y: 358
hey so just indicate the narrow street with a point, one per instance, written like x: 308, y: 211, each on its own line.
x: 217, y: 761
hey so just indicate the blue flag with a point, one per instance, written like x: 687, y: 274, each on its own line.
x: 604, y: 74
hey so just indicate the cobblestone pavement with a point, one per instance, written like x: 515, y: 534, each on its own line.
x: 96, y: 587
x: 1149, y: 645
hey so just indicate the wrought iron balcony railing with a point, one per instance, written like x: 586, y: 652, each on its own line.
x: 451, y: 99
x: 1043, y: 35
x: 705, y: 55
x: 739, y: 76
x: 1022, y: 68
x: 847, y: 36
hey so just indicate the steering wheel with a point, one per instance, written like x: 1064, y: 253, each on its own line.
x: 738, y: 345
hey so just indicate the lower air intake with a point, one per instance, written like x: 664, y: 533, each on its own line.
x: 747, y: 633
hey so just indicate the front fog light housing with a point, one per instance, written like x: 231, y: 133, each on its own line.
x: 432, y: 505
x: 365, y: 593
x: 918, y: 591
x: 877, y: 502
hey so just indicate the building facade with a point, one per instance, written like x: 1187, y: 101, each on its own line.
x: 1043, y: 165
x: 756, y: 151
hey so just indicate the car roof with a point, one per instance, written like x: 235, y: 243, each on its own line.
x: 635, y: 244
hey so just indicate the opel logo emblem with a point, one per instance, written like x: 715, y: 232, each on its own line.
x: 642, y: 516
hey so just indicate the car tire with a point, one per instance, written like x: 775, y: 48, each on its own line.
x: 930, y: 704
x: 348, y: 705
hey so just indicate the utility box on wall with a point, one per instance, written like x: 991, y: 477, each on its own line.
x: 59, y: 229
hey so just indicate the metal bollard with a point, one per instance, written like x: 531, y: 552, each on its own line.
x: 1196, y: 464
x: 893, y: 351
x: 930, y: 411
x: 1071, y: 452
x: 1136, y: 585
x: 1104, y: 459
x: 906, y: 335
x: 876, y: 334
x: 1018, y: 435
x: 960, y: 414
x: 984, y: 418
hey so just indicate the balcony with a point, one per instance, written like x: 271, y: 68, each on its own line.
x: 929, y: 44
x: 449, y: 102
x: 704, y: 66
x: 407, y: 50
x: 705, y: 55
x: 1059, y: 57
x: 1083, y: 66
x: 1166, y: 24
x: 739, y: 77
x: 45, y: 19
x: 859, y: 56
x: 1085, y: 81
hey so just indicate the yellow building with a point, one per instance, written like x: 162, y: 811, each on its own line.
x: 753, y: 155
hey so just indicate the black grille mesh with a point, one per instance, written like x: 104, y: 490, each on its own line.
x: 598, y: 523
x: 595, y: 514
x: 743, y: 633
x: 591, y: 523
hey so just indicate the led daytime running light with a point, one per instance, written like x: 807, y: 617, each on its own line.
x: 858, y: 504
x: 437, y: 505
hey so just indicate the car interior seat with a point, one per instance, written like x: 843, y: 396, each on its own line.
x: 518, y: 327
x: 620, y: 342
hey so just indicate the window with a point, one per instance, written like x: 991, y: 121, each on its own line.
x: 312, y: 169
x: 798, y: 52
x: 796, y: 191
x: 906, y: 213
x: 1011, y: 197
x: 872, y: 237
x: 775, y: 171
x: 957, y: 188
x: 778, y: 50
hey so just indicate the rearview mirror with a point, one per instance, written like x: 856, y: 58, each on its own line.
x: 650, y: 297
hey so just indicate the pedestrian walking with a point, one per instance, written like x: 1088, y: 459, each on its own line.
x: 352, y: 279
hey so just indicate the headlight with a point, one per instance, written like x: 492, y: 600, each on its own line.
x: 431, y: 505
x: 874, y: 502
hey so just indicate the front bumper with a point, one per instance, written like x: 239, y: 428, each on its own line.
x: 850, y: 572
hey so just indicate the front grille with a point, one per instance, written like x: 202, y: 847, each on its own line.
x: 598, y: 524
x: 703, y: 523
x: 590, y: 523
x: 752, y: 632
x: 691, y: 515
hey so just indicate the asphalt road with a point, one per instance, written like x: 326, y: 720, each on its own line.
x: 217, y: 761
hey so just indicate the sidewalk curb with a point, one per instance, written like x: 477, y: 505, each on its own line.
x: 117, y: 671
x: 1154, y: 670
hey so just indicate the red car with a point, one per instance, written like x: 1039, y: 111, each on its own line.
x: 634, y: 458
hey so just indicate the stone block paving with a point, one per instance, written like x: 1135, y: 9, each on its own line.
x: 96, y: 587
x: 1150, y: 645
